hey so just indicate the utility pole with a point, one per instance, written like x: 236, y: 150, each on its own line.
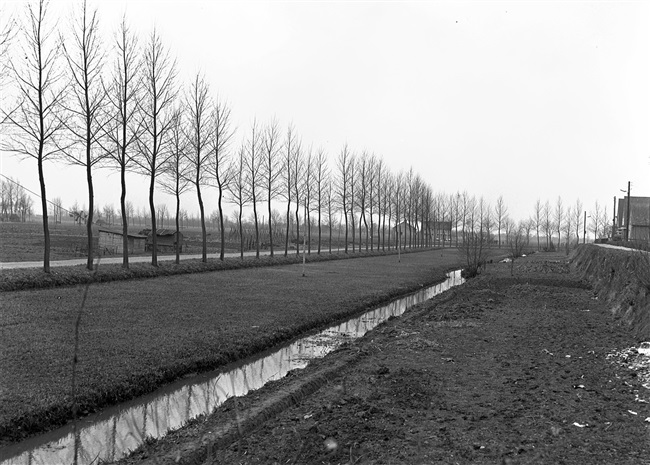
x: 627, y: 214
x: 614, y: 220
x: 584, y: 232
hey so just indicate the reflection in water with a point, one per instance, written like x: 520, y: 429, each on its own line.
x: 112, y: 434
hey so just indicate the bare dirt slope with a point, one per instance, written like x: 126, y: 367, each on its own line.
x: 501, y: 370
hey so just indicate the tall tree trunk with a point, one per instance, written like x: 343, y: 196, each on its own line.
x: 46, y: 226
x: 241, y: 235
x: 270, y: 225
x: 221, y: 225
x: 346, y: 232
x: 178, y: 209
x: 91, y: 208
x: 297, y: 227
x: 204, y: 236
x: 125, y: 223
x: 257, y: 229
x: 319, y: 230
x: 154, y: 235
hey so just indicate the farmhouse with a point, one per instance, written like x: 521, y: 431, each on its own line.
x: 110, y: 240
x: 639, y: 218
x: 439, y: 231
x: 166, y: 239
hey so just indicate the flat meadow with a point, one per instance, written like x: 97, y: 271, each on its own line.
x: 136, y: 335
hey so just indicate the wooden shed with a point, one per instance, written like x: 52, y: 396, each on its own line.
x: 166, y: 239
x: 110, y: 241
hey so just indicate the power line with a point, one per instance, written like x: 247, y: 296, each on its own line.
x: 34, y: 193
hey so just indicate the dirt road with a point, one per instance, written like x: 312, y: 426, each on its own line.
x: 512, y: 370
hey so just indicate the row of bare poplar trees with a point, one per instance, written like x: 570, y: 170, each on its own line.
x: 122, y: 107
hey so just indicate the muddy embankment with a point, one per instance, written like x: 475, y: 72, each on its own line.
x: 621, y: 278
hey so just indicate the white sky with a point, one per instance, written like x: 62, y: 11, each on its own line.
x: 522, y: 99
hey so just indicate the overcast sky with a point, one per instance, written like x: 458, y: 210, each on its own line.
x: 522, y: 99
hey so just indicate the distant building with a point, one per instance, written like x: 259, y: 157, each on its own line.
x: 439, y: 232
x: 110, y: 240
x: 406, y: 232
x: 639, y: 218
x: 166, y: 239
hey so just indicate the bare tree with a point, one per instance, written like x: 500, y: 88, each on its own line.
x: 343, y: 167
x: 298, y: 164
x: 558, y: 219
x: 254, y: 168
x: 289, y: 150
x: 177, y: 172
x: 362, y: 193
x: 321, y: 178
x: 221, y: 136
x: 198, y: 105
x: 516, y: 244
x: 352, y: 190
x: 500, y: 213
x: 86, y: 119
x: 567, y: 227
x: 35, y: 121
x: 122, y: 130
x: 379, y: 189
x: 595, y: 216
x: 548, y: 226
x: 537, y: 219
x: 271, y: 169
x: 237, y: 187
x: 156, y: 111
x: 578, y: 218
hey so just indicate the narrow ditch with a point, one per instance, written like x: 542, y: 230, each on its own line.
x: 113, y: 433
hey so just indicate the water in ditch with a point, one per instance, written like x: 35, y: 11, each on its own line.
x: 112, y: 434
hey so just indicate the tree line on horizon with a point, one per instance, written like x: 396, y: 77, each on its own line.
x: 123, y: 108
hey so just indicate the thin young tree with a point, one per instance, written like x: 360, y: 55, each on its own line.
x: 219, y: 163
x: 159, y: 92
x: 198, y: 107
x: 177, y: 172
x: 35, y: 121
x: 271, y: 169
x: 500, y: 213
x: 122, y: 130
x: 86, y: 118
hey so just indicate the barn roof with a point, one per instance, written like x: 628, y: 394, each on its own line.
x: 160, y: 232
x: 119, y: 233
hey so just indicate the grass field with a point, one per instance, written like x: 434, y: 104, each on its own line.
x: 137, y: 335
x: 24, y: 241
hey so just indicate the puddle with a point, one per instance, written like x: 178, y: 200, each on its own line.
x: 113, y: 433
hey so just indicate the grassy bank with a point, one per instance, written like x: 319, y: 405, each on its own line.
x: 136, y: 335
x: 35, y: 278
